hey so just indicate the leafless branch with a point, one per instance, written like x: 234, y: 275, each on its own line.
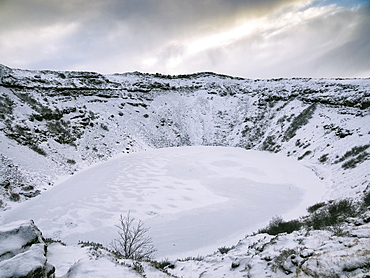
x: 133, y: 242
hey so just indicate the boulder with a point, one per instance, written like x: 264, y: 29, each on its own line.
x: 23, y: 251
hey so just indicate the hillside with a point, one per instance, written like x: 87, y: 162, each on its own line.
x: 53, y: 124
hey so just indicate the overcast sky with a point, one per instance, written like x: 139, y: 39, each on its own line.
x: 248, y: 38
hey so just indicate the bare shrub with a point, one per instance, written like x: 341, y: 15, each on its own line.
x: 133, y: 242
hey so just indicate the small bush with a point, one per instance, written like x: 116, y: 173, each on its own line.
x: 366, y: 200
x: 91, y: 244
x: 37, y: 149
x: 352, y: 163
x: 299, y: 121
x: 277, y: 225
x: 315, y: 207
x: 333, y: 214
x: 164, y: 264
x: 6, y: 184
x: 105, y: 127
x: 225, y: 250
x: 323, y: 158
x: 320, y: 220
x: 304, y: 155
x: 198, y: 258
x: 60, y: 132
x: 138, y: 267
x: 49, y: 241
x: 96, y: 250
x: 343, y: 207
x: 280, y: 259
x: 15, y: 197
x: 28, y: 188
x: 353, y: 152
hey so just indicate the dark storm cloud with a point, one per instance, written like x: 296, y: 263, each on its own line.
x: 280, y: 37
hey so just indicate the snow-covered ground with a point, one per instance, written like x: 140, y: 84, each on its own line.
x: 194, y: 199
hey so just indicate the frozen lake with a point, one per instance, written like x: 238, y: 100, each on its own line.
x: 194, y: 199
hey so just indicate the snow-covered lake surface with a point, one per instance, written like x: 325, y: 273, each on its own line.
x: 194, y: 199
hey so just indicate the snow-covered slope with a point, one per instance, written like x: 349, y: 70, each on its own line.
x: 54, y: 124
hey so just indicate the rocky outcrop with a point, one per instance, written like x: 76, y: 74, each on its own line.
x: 23, y: 252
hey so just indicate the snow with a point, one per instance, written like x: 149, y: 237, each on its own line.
x: 21, y: 264
x: 15, y: 235
x: 64, y: 257
x: 194, y: 199
x: 100, y: 268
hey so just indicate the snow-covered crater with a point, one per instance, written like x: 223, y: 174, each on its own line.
x: 194, y: 199
x: 57, y: 123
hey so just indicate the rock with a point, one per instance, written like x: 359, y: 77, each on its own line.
x: 23, y: 252
x: 305, y: 253
x: 339, y: 261
x: 288, y: 265
x: 235, y: 264
x: 360, y: 232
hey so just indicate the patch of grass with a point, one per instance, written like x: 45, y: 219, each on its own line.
x: 269, y: 144
x: 28, y: 188
x: 323, y: 158
x: 49, y: 241
x: 37, y: 149
x: 279, y: 260
x: 322, y: 216
x: 225, y: 250
x: 138, y: 267
x: 299, y: 121
x: 91, y: 244
x: 352, y: 163
x: 353, y: 152
x: 6, y: 106
x: 198, y: 258
x: 366, y: 200
x: 163, y: 264
x: 95, y: 249
x: 332, y: 214
x: 304, y: 155
x: 60, y: 131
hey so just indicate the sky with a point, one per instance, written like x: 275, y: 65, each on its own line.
x: 247, y: 38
